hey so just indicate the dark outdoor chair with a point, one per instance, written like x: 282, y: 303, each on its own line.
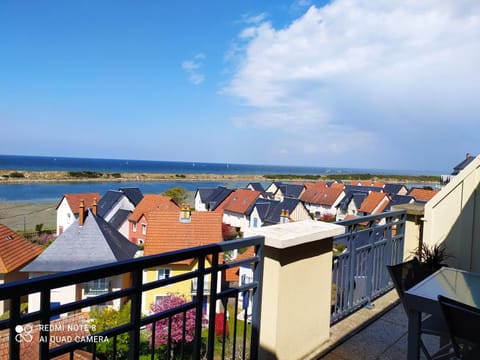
x: 404, y: 276
x: 463, y: 325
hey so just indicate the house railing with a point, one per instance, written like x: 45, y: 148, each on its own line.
x: 359, y: 273
x: 243, y: 343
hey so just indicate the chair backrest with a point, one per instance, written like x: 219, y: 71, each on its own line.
x: 406, y: 274
x: 463, y: 322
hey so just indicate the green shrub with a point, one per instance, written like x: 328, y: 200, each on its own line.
x: 16, y: 174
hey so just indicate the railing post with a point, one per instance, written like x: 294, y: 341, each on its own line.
x: 257, y: 303
x: 15, y: 320
x: 212, y: 306
x: 199, y: 308
x: 296, y: 300
x: 136, y: 313
x: 370, y: 262
x: 45, y: 320
x: 352, y: 264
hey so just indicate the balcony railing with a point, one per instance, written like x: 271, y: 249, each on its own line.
x: 244, y: 343
x: 359, y: 273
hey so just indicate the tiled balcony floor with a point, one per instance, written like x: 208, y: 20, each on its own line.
x: 383, y: 339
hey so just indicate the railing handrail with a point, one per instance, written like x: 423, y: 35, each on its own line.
x: 368, y: 218
x: 24, y: 287
x: 134, y: 290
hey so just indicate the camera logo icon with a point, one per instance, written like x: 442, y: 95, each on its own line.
x: 24, y: 333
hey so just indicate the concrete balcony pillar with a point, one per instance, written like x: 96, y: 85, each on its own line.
x: 297, y: 286
x: 413, y: 228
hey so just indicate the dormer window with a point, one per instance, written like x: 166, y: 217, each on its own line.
x: 185, y: 214
x: 144, y: 229
x: 134, y: 228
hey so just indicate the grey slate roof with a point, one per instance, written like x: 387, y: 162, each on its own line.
x: 273, y: 217
x: 398, y: 200
x: 107, y: 201
x: 217, y: 197
x: 119, y: 218
x: 111, y: 197
x: 392, y: 189
x: 134, y: 194
x: 350, y: 195
x: 356, y: 188
x: 205, y: 193
x: 270, y: 210
x: 462, y: 165
x: 94, y: 243
x: 291, y: 190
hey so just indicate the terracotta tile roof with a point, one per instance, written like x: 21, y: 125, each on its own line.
x: 422, y: 194
x: 336, y: 185
x: 321, y: 195
x: 372, y: 202
x: 74, y: 200
x: 61, y: 329
x: 15, y: 250
x: 151, y: 202
x: 239, y: 201
x: 367, y: 183
x: 165, y: 232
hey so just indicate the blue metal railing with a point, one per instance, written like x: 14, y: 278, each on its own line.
x: 209, y: 264
x: 359, y: 273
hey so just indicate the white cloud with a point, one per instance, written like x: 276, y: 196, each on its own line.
x: 370, y: 68
x: 192, y: 68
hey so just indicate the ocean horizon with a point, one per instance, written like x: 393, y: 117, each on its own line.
x: 58, y: 163
x: 46, y: 193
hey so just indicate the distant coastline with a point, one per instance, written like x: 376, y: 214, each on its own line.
x: 32, y: 177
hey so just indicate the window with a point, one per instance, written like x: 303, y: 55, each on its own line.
x: 96, y: 287
x: 134, y: 226
x: 144, y: 229
x: 255, y: 222
x: 163, y: 273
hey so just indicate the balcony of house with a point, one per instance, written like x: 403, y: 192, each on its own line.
x: 307, y: 301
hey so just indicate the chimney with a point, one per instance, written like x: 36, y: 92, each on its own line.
x: 81, y: 213
x: 468, y: 155
x: 185, y: 214
x: 94, y: 206
x: 284, y: 215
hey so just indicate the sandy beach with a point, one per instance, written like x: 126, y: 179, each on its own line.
x: 20, y: 216
x: 21, y: 177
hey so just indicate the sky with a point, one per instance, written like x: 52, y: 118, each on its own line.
x: 343, y: 83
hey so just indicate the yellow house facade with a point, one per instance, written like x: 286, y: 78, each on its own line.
x: 170, y: 231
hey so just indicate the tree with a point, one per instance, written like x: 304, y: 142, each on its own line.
x: 106, y: 318
x: 176, y: 321
x: 178, y: 194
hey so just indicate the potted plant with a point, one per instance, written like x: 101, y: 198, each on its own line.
x: 432, y: 257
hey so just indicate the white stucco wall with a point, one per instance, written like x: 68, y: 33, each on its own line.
x: 65, y: 216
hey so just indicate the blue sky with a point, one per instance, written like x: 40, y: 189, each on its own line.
x: 363, y: 84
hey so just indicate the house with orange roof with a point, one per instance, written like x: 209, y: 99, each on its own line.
x: 374, y: 203
x: 321, y: 200
x: 422, y: 195
x: 348, y: 207
x: 137, y: 221
x: 15, y: 253
x: 67, y: 208
x: 176, y: 230
x: 238, y: 206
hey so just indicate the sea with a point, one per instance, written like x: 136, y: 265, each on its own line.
x: 51, y: 193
